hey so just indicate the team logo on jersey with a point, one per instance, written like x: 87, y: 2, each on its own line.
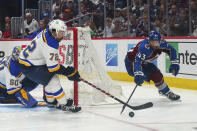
x: 111, y: 54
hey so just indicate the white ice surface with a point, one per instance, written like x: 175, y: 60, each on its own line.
x: 165, y: 115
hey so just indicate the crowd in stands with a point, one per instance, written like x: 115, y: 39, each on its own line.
x: 6, y: 33
x: 133, y: 19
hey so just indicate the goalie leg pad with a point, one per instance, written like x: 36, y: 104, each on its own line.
x: 26, y: 99
x: 5, y: 97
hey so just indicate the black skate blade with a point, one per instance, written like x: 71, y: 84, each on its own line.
x: 77, y: 109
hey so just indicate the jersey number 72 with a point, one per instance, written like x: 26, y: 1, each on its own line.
x: 29, y: 49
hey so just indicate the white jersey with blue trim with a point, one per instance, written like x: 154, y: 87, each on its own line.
x: 10, y: 75
x: 43, y: 50
x: 2, y: 77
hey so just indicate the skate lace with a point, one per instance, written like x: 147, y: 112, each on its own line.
x: 170, y: 94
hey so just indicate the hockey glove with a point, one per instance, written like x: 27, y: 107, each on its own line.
x: 139, y: 78
x: 73, y: 74
x: 174, y: 68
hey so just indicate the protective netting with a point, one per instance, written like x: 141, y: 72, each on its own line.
x: 89, y: 67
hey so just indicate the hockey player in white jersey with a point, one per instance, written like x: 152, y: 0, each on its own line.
x: 4, y: 96
x: 39, y: 63
x: 14, y: 85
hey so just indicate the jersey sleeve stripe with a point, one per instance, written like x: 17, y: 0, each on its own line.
x: 25, y: 62
x: 12, y: 90
x: 44, y: 37
x: 19, y: 75
x: 72, y: 74
x: 53, y: 68
x: 2, y: 85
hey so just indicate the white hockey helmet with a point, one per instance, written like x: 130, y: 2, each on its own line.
x: 57, y: 25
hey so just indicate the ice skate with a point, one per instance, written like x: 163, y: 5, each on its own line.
x: 69, y: 106
x: 170, y: 95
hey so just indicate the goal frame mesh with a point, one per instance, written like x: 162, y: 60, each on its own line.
x: 82, y: 56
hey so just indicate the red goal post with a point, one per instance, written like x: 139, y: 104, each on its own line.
x: 78, y: 50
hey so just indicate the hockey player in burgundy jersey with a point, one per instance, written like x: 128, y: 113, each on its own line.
x: 139, y: 63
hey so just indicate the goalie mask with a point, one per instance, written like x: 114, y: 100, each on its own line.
x: 58, y: 26
x: 15, y: 53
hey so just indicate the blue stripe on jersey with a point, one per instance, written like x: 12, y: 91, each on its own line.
x: 13, y: 90
x: 2, y: 85
x: 49, y: 39
x: 53, y: 68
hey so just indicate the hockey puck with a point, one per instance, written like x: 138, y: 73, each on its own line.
x: 131, y: 114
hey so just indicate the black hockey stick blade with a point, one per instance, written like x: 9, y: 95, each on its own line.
x: 144, y: 106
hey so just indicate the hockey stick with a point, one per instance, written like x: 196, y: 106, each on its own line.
x: 144, y: 106
x: 128, y: 100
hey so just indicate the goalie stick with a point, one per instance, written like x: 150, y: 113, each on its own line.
x: 140, y: 107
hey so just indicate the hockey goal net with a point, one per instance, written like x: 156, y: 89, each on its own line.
x: 78, y: 50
